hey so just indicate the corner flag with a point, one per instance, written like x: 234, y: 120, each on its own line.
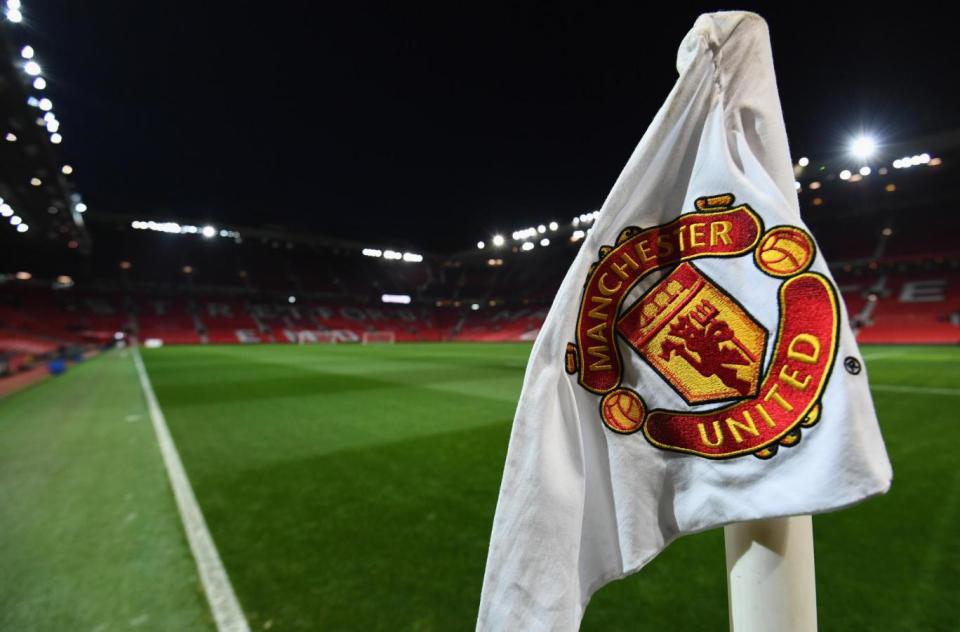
x: 697, y: 367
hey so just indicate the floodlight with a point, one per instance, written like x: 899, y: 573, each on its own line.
x: 863, y: 147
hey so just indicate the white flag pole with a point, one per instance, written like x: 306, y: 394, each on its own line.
x: 770, y: 575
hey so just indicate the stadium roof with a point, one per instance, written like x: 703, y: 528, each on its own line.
x: 431, y: 127
x: 38, y: 203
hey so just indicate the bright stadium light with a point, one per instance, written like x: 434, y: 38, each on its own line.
x: 53, y: 126
x: 291, y: 299
x: 45, y: 104
x: 33, y: 101
x: 6, y: 210
x: 208, y: 232
x: 56, y: 138
x: 475, y: 306
x: 15, y: 220
x: 527, y: 245
x: 32, y: 68
x: 845, y: 174
x: 14, y: 16
x: 498, y: 240
x: 544, y: 242
x: 49, y: 117
x: 22, y: 228
x: 577, y: 235
x: 412, y: 257
x: 403, y: 299
x: 863, y: 147
x: 39, y: 83
x: 541, y: 229
x: 803, y: 162
x: 66, y: 170
x: 11, y: 137
x: 27, y: 52
x: 372, y: 252
x: 864, y: 170
x: 392, y: 254
x: 481, y: 245
x: 554, y: 226
x: 35, y: 181
x: 81, y: 207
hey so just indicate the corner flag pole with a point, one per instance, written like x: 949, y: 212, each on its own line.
x: 770, y: 575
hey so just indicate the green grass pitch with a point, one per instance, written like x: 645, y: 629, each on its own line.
x: 352, y: 488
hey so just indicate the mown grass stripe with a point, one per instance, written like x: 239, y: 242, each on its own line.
x: 917, y: 390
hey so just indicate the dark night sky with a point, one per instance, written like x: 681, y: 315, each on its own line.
x: 433, y: 127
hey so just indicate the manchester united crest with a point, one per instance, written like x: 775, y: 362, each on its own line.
x: 701, y: 340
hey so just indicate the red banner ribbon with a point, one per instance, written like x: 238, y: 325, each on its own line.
x: 724, y: 233
x: 798, y: 372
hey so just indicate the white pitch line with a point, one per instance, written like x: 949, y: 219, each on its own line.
x: 921, y: 390
x: 223, y: 601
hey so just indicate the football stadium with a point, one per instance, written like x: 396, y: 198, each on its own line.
x: 298, y: 420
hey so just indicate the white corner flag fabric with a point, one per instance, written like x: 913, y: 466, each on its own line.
x: 697, y: 367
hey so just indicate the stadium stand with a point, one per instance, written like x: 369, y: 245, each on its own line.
x: 889, y: 237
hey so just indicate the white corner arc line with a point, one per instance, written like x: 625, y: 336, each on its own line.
x: 224, y: 605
